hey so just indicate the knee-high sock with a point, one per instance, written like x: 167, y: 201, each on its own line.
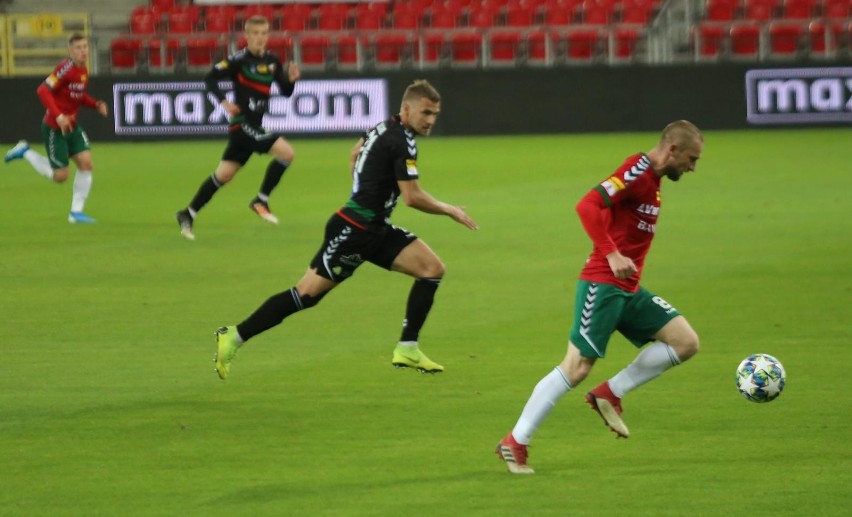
x: 544, y: 397
x: 419, y: 304
x: 274, y: 172
x: 274, y: 310
x: 205, y: 192
x: 82, y: 187
x: 40, y: 163
x: 650, y: 363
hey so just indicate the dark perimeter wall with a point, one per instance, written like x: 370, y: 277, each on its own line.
x: 517, y: 101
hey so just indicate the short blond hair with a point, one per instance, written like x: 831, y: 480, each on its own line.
x: 255, y: 20
x: 420, y: 89
x: 681, y: 133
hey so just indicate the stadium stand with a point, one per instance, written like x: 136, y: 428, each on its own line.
x: 486, y: 33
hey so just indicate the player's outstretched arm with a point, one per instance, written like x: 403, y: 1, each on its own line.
x: 416, y: 197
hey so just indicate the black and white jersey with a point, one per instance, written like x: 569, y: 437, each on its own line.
x: 252, y: 77
x: 388, y: 155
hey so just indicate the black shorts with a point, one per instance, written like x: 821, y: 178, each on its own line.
x: 346, y: 247
x: 245, y: 141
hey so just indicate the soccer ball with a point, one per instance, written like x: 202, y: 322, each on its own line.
x: 760, y: 378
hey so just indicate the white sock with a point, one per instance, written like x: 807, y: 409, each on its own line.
x: 650, y: 363
x: 82, y: 186
x: 544, y: 397
x: 40, y: 163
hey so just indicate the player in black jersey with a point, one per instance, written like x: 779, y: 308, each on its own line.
x: 252, y: 71
x: 385, y: 169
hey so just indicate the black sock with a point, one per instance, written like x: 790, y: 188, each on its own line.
x: 274, y: 310
x: 205, y: 193
x: 273, y: 175
x: 419, y: 303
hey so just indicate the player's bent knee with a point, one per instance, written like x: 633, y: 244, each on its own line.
x: 60, y: 175
x: 309, y: 301
x: 688, y: 346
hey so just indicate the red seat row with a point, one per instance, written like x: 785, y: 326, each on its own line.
x: 785, y: 39
x: 767, y: 10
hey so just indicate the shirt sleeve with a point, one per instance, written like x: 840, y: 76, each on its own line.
x: 282, y: 77
x: 45, y: 95
x: 617, y: 187
x: 224, y: 69
x: 593, y: 210
x: 405, y: 163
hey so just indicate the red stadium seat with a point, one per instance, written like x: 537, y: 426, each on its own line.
x: 368, y: 20
x: 405, y: 20
x: 595, y: 14
x: 556, y: 15
x: 314, y: 50
x: 798, y: 9
x: 219, y: 21
x: 519, y: 16
x: 264, y: 10
x: 784, y: 39
x: 124, y: 54
x: 837, y: 9
x: 163, y: 6
x: 636, y: 15
x: 583, y: 44
x: 538, y: 50
x: 721, y: 10
x: 759, y: 10
x: 331, y: 20
x: 295, y: 20
x: 709, y: 40
x: 625, y: 40
x: 144, y: 23
x: 824, y: 38
x: 201, y: 52
x: 745, y: 40
x: 281, y: 46
x: 503, y: 47
x: 162, y: 54
x: 391, y: 49
x: 465, y: 48
x: 180, y: 22
x: 433, y: 51
x: 346, y: 47
x: 444, y: 19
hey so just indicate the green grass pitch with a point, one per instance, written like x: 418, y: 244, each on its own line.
x: 109, y: 404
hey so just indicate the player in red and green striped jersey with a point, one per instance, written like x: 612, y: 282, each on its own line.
x: 620, y: 216
x: 252, y: 71
x: 62, y: 94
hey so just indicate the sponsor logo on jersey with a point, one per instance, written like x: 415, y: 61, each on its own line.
x: 411, y: 165
x: 222, y: 65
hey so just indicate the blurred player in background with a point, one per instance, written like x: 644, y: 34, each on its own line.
x: 385, y: 168
x: 252, y: 71
x: 62, y: 94
x: 620, y: 217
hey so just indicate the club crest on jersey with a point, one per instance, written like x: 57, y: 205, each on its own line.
x: 262, y: 69
x: 222, y: 65
x: 411, y: 166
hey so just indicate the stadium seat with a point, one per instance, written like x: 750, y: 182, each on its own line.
x: 347, y: 51
x: 465, y: 48
x: 144, y: 23
x: 784, y: 39
x: 281, y: 46
x: 391, y: 49
x: 444, y: 19
x: 721, y: 10
x: 264, y: 10
x: 798, y: 9
x: 180, y: 22
x: 162, y: 54
x: 163, y: 6
x: 482, y: 19
x: 745, y: 40
x: 124, y: 54
x: 201, y: 52
x: 538, y: 48
x: 295, y: 17
x: 595, y: 14
x: 583, y: 44
x: 519, y: 16
x: 822, y: 43
x: 625, y: 41
x: 708, y: 41
x: 503, y: 47
x: 557, y: 15
x: 837, y: 9
x: 759, y: 10
x: 368, y: 20
x: 331, y: 19
x: 220, y: 22
x: 314, y: 51
x: 636, y: 15
x: 434, y: 49
x: 405, y: 19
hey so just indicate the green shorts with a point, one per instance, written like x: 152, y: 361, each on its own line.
x: 60, y: 147
x: 601, y: 309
